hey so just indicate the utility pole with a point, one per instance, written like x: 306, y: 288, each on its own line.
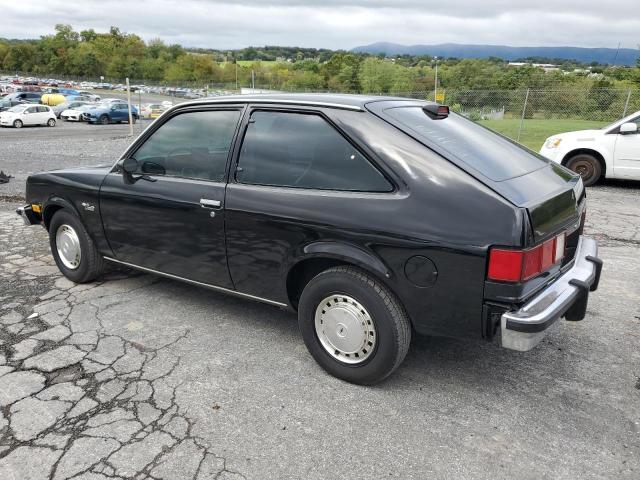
x: 253, y: 80
x: 129, y: 108
x: 236, y: 62
x: 435, y: 85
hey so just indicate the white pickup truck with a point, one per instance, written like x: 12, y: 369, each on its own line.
x: 612, y: 151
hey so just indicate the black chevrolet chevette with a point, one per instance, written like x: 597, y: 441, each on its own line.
x: 373, y: 217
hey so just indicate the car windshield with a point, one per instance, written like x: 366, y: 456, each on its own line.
x: 17, y: 109
x: 632, y: 118
x: 494, y: 156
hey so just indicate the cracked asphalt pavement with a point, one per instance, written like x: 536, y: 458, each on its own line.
x: 138, y: 377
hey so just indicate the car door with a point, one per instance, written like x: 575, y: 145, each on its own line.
x: 172, y: 219
x: 296, y: 177
x: 121, y: 113
x: 30, y: 116
x: 43, y: 114
x: 626, y: 157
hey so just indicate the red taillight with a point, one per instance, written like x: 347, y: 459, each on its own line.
x: 505, y: 265
x: 518, y: 265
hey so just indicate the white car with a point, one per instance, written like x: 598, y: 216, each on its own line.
x: 153, y: 110
x: 75, y: 114
x: 28, y: 114
x: 612, y: 151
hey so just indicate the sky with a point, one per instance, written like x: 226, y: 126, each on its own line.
x: 338, y: 24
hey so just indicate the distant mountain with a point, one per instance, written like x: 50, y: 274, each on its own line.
x: 626, y: 56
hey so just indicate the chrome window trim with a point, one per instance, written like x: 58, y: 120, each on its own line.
x: 201, y: 284
x: 273, y: 101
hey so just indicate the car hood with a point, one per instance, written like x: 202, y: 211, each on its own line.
x: 579, y: 135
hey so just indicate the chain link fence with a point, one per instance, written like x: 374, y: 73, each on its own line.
x: 529, y: 116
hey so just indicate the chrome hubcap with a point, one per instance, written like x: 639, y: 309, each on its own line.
x: 345, y: 329
x: 68, y: 245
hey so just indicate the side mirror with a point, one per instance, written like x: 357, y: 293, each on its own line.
x: 113, y: 109
x: 628, y: 128
x: 129, y: 166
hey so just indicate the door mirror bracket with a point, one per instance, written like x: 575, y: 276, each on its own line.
x: 129, y: 166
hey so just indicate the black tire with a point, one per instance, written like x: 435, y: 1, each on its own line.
x: 91, y: 262
x: 587, y: 166
x: 18, y: 124
x: 392, y: 326
x: 51, y: 123
x: 104, y: 120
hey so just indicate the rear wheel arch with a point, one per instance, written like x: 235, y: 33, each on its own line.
x: 586, y: 151
x: 327, y: 255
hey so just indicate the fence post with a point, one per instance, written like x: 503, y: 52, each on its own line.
x: 524, y: 109
x: 626, y: 104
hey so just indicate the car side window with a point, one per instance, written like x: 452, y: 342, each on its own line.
x: 31, y: 110
x: 191, y: 145
x: 42, y: 109
x: 304, y: 151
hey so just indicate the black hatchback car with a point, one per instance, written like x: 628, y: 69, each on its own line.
x: 372, y: 217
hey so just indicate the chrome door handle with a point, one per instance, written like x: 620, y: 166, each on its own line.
x: 206, y: 203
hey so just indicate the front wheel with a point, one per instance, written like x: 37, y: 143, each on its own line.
x: 73, y: 249
x: 353, y: 326
x: 51, y: 122
x: 18, y: 124
x: 587, y: 166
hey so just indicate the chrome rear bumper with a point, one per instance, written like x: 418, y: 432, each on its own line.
x: 566, y: 297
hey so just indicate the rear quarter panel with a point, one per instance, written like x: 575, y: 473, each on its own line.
x: 437, y: 211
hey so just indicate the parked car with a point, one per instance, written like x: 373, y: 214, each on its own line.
x: 21, y: 115
x: 91, y: 96
x: 153, y: 110
x: 18, y: 98
x: 612, y: 151
x: 110, y: 113
x: 372, y: 217
x: 76, y: 114
x: 69, y: 105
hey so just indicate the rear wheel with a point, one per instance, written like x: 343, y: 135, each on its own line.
x: 104, y: 120
x: 18, y: 124
x: 353, y: 326
x: 73, y: 249
x: 51, y: 122
x: 587, y: 166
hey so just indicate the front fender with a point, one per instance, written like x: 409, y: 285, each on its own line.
x: 54, y: 203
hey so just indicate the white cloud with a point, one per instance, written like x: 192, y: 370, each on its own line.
x: 338, y: 24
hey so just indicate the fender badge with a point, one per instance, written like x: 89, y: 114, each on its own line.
x: 88, y: 206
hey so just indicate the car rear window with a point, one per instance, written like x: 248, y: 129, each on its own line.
x: 493, y: 156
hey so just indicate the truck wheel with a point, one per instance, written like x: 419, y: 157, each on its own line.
x: 73, y: 250
x: 18, y: 124
x: 104, y: 120
x: 353, y: 326
x: 587, y: 166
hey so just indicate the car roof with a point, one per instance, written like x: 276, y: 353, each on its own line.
x: 335, y: 100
